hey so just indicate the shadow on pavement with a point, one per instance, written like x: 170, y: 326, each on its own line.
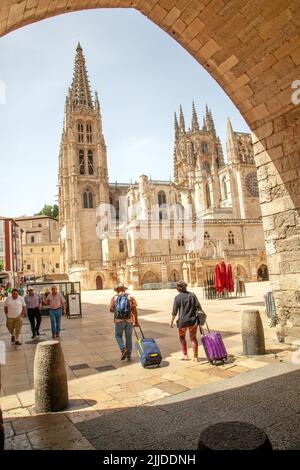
x: 272, y: 404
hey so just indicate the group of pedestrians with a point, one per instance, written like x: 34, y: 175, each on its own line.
x: 185, y: 309
x: 123, y: 305
x: 16, y: 307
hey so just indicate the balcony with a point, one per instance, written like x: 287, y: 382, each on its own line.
x: 240, y: 253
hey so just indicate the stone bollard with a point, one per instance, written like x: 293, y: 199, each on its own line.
x: 50, y: 377
x: 233, y: 435
x: 252, y: 333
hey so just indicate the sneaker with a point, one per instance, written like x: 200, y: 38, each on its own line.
x: 53, y: 336
x: 124, y: 354
x: 57, y: 335
x: 128, y: 357
x: 37, y: 333
x: 18, y: 343
x: 13, y: 339
x: 33, y: 336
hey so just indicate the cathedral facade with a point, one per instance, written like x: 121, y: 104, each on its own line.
x: 136, y: 233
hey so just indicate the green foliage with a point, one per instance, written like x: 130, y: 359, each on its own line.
x: 49, y: 211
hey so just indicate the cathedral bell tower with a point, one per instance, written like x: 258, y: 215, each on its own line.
x: 198, y: 157
x: 83, y: 178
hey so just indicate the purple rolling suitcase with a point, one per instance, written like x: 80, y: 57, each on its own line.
x: 213, y: 346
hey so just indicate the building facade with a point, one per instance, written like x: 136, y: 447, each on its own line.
x: 136, y: 233
x: 41, y: 246
x: 10, y: 251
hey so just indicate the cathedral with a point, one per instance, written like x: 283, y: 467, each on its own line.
x: 135, y: 233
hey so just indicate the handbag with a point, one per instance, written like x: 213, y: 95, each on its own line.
x: 201, y: 317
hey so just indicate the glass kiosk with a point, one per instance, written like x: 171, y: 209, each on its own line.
x: 70, y: 290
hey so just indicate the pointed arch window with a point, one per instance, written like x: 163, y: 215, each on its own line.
x: 208, y: 200
x: 90, y: 162
x: 121, y: 246
x: 162, y: 198
x: 179, y: 212
x: 204, y: 148
x: 162, y: 201
x: 88, y: 199
x: 206, y: 167
x: 91, y: 204
x: 89, y: 133
x: 81, y: 162
x: 180, y: 240
x: 230, y: 238
x: 80, y: 133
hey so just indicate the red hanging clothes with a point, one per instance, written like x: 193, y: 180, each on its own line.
x: 224, y: 277
x: 230, y: 278
x: 218, y: 284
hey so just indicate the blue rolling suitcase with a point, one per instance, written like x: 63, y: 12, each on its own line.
x: 147, y: 350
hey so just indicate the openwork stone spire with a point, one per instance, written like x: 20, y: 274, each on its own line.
x: 181, y: 121
x: 195, y: 123
x: 209, y: 120
x: 80, y: 88
x: 176, y: 126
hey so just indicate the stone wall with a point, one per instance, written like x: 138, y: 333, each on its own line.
x: 278, y: 162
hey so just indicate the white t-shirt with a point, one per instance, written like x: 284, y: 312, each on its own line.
x: 14, y: 306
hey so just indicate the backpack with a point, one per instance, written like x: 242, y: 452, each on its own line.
x: 122, y: 307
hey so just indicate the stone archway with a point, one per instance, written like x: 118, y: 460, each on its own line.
x: 174, y: 276
x: 263, y: 273
x: 99, y: 283
x: 252, y: 49
x: 150, y: 278
x: 242, y: 273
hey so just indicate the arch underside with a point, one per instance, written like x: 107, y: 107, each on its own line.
x: 252, y: 49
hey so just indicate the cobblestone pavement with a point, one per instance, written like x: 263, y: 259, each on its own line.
x: 100, y: 385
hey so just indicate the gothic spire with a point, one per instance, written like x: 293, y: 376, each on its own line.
x: 212, y: 122
x: 220, y: 153
x: 80, y: 87
x: 195, y: 124
x: 209, y: 120
x: 230, y: 143
x: 230, y: 133
x: 204, y: 128
x: 176, y: 126
x: 206, y: 112
x: 181, y: 121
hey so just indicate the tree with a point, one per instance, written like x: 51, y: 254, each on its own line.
x: 49, y: 211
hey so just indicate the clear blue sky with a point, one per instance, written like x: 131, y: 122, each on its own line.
x: 142, y: 75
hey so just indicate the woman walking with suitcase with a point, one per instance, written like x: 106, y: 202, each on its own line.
x: 186, y: 305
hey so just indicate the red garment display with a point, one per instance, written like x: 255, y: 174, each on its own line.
x: 230, y: 278
x: 224, y: 277
x: 218, y: 284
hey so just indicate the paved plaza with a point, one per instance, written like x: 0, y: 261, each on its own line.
x: 107, y: 395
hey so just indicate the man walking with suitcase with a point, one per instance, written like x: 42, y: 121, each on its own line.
x: 186, y: 305
x: 124, y: 308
